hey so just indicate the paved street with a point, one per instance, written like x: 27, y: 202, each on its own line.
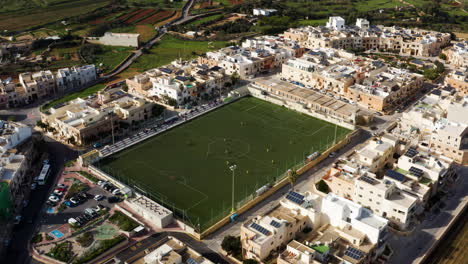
x: 409, y: 248
x: 18, y: 252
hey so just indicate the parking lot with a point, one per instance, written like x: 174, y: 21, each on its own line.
x: 53, y: 221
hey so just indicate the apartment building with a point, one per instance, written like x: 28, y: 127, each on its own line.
x: 254, y: 56
x: 78, y: 123
x: 126, y: 107
x: 75, y: 77
x: 157, y: 250
x: 457, y: 55
x: 38, y: 84
x: 348, y: 232
x: 180, y: 81
x: 385, y: 199
x: 263, y: 234
x: 450, y: 136
x: 363, y: 36
x: 377, y: 153
x: 458, y: 79
x: 12, y: 94
x: 429, y: 170
x: 385, y: 88
x: 13, y: 164
x: 81, y: 122
x: 305, y: 100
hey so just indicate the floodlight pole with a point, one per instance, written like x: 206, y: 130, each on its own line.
x: 233, y: 168
x: 334, y: 140
x: 112, y: 127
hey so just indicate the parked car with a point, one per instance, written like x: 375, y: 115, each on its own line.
x: 116, y: 192
x: 68, y: 204
x: 50, y: 203
x: 113, y: 199
x: 98, y: 197
x: 373, y: 128
x: 54, y: 198
x: 97, y: 145
x: 74, y: 200
x: 17, y: 219
x: 34, y: 186
x: 73, y: 221
x: 45, y: 162
x: 100, y: 183
x: 99, y: 208
x: 61, y: 185
x: 331, y: 155
x: 60, y: 189
x: 58, y: 193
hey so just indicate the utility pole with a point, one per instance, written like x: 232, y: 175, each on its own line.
x: 112, y: 128
x: 233, y: 168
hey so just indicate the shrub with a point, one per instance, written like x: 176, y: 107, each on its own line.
x: 61, y: 252
x: 86, y: 239
x: 49, y: 237
x: 37, y: 238
x: 76, y: 188
x: 103, y: 246
x: 124, y: 222
x: 231, y: 245
x: 88, y: 176
x: 322, y: 186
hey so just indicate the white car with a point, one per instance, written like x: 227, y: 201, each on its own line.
x: 57, y: 192
x: 54, y: 198
x: 116, y: 192
x: 98, y: 197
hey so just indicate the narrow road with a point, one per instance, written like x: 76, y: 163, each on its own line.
x: 18, y: 252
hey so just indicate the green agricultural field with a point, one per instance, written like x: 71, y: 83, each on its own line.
x: 30, y: 16
x: 86, y: 92
x: 205, y: 19
x: 171, y: 48
x: 187, y: 168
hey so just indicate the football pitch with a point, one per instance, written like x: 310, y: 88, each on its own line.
x: 187, y: 168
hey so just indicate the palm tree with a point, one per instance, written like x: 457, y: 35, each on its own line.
x: 292, y: 177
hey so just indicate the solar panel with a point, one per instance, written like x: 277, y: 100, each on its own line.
x: 260, y: 229
x: 191, y: 261
x: 411, y: 152
x: 275, y: 224
x: 416, y: 171
x: 367, y: 179
x: 297, y: 195
x: 395, y: 175
x: 354, y: 253
x: 295, y: 199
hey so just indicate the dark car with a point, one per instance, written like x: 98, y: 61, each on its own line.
x: 113, y: 199
x: 373, y: 128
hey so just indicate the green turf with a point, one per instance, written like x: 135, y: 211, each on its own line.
x: 188, y: 165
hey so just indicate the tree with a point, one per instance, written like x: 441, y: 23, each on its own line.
x: 157, y: 110
x: 292, y: 177
x: 443, y: 56
x: 231, y: 245
x: 250, y: 261
x: 234, y: 78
